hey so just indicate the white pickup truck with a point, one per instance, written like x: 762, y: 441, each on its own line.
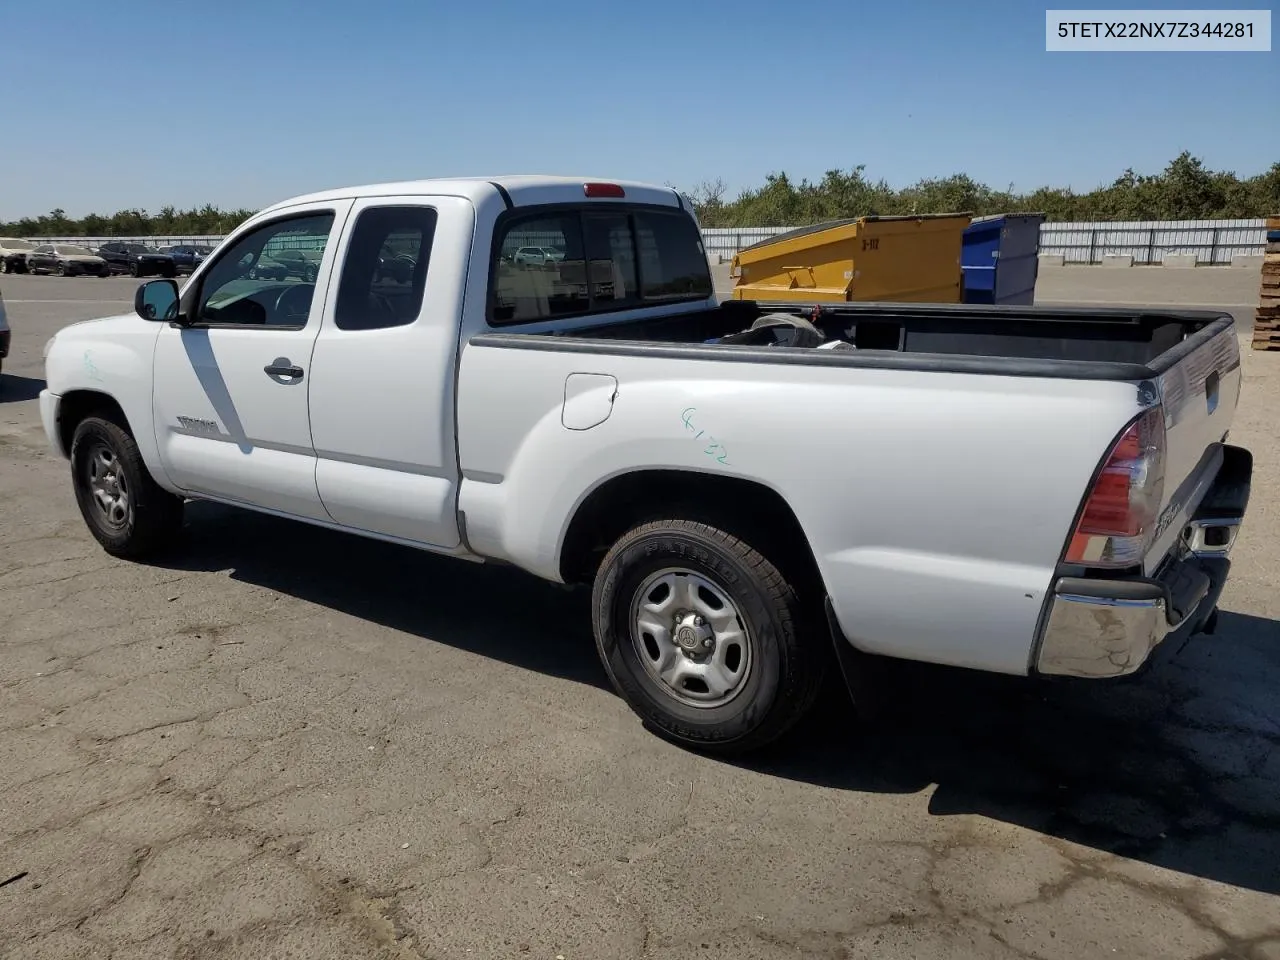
x: 1033, y: 491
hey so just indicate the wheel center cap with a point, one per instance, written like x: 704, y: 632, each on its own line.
x: 692, y: 635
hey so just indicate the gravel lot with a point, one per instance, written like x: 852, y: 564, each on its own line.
x: 285, y: 742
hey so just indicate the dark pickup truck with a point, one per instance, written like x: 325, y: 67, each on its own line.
x: 137, y: 260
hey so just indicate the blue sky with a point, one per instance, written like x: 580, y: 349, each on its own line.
x: 245, y: 102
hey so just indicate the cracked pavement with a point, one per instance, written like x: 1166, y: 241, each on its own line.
x: 285, y: 742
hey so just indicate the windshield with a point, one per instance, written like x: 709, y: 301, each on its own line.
x: 74, y: 251
x: 135, y: 248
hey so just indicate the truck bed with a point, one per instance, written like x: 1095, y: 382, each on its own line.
x: 1073, y: 342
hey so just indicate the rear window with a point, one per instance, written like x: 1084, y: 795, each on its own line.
x: 594, y: 259
x: 673, y: 262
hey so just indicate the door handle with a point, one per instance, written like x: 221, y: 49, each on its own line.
x: 283, y: 367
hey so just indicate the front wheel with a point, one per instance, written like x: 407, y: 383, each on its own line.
x: 127, y: 512
x: 704, y: 637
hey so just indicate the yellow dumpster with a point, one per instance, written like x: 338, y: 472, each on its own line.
x: 908, y: 259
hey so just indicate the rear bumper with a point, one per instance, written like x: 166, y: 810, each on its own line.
x: 1108, y: 628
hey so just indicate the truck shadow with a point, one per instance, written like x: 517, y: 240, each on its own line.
x: 1179, y: 767
x: 498, y: 612
x: 15, y: 389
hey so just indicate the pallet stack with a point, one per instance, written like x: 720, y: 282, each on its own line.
x: 1266, y: 326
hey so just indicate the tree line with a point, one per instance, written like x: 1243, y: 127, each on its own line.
x: 1184, y: 190
x: 170, y: 221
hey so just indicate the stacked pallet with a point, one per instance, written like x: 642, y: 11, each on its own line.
x: 1266, y: 326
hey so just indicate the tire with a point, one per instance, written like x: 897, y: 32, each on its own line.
x: 150, y: 517
x: 4, y: 267
x: 60, y: 270
x: 134, y: 270
x: 779, y: 665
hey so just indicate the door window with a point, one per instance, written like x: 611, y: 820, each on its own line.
x: 256, y: 282
x: 384, y: 273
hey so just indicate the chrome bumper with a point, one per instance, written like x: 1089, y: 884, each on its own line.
x: 1108, y: 628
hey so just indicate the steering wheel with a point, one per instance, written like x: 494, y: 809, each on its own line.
x: 294, y: 301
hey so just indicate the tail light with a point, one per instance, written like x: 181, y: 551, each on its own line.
x: 603, y: 190
x: 1118, y: 521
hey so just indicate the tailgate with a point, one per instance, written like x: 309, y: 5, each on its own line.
x: 1198, y: 394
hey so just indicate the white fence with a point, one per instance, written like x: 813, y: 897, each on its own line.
x: 1212, y: 241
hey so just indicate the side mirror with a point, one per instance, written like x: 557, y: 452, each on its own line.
x: 156, y: 300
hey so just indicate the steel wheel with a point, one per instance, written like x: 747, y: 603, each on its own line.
x: 690, y: 637
x: 107, y: 483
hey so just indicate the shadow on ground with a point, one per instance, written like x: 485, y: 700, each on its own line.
x: 15, y: 389
x: 490, y: 610
x: 1178, y: 767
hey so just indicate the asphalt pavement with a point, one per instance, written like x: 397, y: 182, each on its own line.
x: 286, y: 742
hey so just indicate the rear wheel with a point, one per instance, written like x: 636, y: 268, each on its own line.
x: 134, y: 271
x: 126, y: 511
x: 60, y: 270
x: 704, y: 637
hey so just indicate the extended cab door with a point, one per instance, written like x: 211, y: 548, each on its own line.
x: 231, y: 385
x: 382, y: 375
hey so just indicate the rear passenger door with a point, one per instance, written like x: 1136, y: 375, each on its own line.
x: 382, y: 371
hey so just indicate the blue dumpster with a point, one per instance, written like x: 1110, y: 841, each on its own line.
x: 999, y: 258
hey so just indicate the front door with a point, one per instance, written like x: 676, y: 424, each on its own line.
x: 231, y: 385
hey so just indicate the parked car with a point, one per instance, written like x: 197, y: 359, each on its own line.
x: 186, y: 258
x: 137, y: 260
x: 743, y: 486
x: 13, y: 254
x: 268, y: 268
x: 302, y: 264
x: 66, y: 260
x: 535, y: 257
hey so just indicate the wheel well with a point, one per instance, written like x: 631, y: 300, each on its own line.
x: 744, y: 508
x: 79, y: 404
